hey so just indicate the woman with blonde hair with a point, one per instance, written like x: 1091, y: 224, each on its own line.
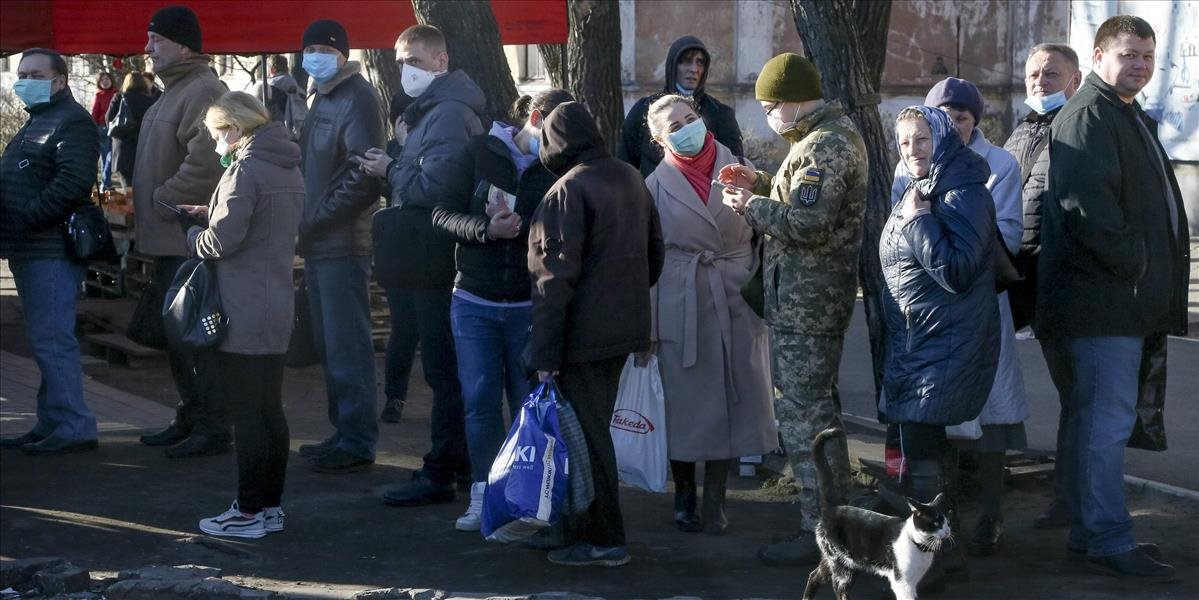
x: 252, y: 222
x: 711, y: 346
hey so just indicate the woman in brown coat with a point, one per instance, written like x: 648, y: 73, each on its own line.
x: 712, y: 348
x: 253, y: 219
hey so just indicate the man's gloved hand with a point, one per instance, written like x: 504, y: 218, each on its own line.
x: 187, y: 221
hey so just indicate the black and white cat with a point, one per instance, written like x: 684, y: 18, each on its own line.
x: 854, y: 539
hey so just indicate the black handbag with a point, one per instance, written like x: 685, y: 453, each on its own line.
x: 301, y: 348
x: 1006, y: 272
x: 753, y: 291
x: 1149, y: 431
x: 409, y: 251
x: 191, y: 310
x: 145, y: 326
x: 123, y: 124
x: 89, y: 235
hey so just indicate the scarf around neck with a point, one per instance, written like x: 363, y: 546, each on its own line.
x: 697, y: 169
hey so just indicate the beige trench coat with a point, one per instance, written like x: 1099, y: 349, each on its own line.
x: 712, y: 349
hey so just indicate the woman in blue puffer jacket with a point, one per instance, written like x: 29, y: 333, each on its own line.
x: 937, y: 258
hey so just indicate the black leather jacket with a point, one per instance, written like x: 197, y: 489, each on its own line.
x: 340, y: 198
x: 48, y: 170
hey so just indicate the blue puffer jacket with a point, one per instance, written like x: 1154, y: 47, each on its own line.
x: 940, y: 309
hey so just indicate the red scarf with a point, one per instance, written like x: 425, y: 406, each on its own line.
x: 697, y: 169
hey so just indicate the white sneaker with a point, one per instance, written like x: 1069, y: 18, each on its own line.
x: 472, y: 519
x: 272, y: 517
x: 232, y: 523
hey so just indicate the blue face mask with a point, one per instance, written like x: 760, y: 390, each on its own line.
x: 689, y: 139
x: 32, y: 91
x: 322, y: 67
x: 1047, y: 104
x: 535, y: 145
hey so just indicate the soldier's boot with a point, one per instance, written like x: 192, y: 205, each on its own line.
x: 685, y: 517
x: 716, y: 475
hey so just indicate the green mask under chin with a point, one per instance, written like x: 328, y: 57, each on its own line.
x: 227, y: 160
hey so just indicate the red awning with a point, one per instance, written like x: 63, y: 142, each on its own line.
x: 237, y: 27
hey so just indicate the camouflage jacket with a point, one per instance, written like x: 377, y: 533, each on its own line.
x: 811, y: 215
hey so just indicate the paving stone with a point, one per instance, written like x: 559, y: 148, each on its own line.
x: 383, y: 594
x: 422, y: 594
x: 183, y: 589
x: 77, y: 596
x: 562, y: 596
x: 170, y: 573
x: 63, y: 579
x: 14, y: 573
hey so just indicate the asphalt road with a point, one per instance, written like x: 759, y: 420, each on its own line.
x: 1178, y: 466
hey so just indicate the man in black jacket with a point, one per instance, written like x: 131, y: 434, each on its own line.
x: 687, y: 67
x: 1113, y: 271
x: 346, y: 119
x: 48, y: 170
x: 433, y: 168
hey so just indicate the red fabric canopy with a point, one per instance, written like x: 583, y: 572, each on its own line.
x: 237, y: 27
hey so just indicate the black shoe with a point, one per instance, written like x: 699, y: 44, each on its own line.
x: 170, y: 436
x: 800, y: 551
x: 340, y: 461
x: 317, y: 449
x: 53, y: 445
x: 392, y: 411
x: 1054, y: 517
x: 988, y: 535
x: 419, y: 491
x: 716, y: 474
x: 17, y: 442
x: 199, y: 444
x: 1080, y: 554
x: 685, y: 516
x: 1134, y: 564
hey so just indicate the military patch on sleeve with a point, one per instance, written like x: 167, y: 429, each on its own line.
x: 808, y: 191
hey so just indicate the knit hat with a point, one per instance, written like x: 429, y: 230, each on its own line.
x: 952, y: 90
x: 178, y: 24
x: 329, y: 33
x: 788, y: 78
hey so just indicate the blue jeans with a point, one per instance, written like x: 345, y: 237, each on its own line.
x: 339, y: 302
x: 489, y: 341
x: 106, y: 158
x: 401, y: 344
x: 47, y: 288
x: 1097, y: 381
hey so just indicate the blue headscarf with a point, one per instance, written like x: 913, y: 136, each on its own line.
x: 942, y: 128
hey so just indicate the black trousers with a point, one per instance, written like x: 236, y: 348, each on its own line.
x: 591, y: 389
x: 201, y: 406
x: 447, y: 457
x: 255, y: 382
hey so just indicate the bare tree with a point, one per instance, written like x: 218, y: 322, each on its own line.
x: 593, y: 63
x: 554, y: 57
x: 384, y: 74
x: 847, y: 39
x: 473, y: 38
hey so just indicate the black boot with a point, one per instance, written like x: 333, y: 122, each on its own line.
x: 716, y: 475
x: 685, y: 517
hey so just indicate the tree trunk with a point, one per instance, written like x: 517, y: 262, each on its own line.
x: 847, y: 40
x: 593, y: 63
x: 384, y: 74
x: 473, y: 41
x: 554, y: 57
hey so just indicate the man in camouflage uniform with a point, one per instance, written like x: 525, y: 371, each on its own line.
x: 810, y: 214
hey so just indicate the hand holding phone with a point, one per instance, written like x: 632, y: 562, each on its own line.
x: 170, y: 207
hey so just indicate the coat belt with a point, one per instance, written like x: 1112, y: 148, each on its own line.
x: 708, y: 258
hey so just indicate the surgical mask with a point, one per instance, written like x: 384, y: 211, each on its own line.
x: 321, y: 66
x: 684, y: 91
x: 1048, y: 103
x: 689, y: 139
x: 223, y: 149
x: 777, y: 123
x: 32, y: 91
x: 415, y: 80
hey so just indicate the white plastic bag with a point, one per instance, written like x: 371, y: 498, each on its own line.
x: 638, y: 427
x: 970, y: 430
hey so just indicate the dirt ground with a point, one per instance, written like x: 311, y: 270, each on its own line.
x: 128, y: 506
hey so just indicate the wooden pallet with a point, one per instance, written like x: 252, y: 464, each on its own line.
x: 104, y: 280
x: 118, y: 349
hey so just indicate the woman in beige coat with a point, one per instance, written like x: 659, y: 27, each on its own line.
x: 253, y: 219
x: 712, y: 348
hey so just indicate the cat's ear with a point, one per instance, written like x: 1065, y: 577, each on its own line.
x: 938, y: 502
x: 914, y: 505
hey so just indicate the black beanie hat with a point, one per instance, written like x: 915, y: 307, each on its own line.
x: 329, y: 33
x: 178, y: 24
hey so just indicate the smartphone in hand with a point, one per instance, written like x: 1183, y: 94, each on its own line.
x: 170, y: 207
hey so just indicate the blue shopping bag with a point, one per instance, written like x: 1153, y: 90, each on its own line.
x: 527, y: 485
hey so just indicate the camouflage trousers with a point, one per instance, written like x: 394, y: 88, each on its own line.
x: 804, y: 369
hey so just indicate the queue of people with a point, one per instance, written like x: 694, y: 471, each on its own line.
x: 521, y: 239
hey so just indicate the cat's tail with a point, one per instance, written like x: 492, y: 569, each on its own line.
x: 829, y: 500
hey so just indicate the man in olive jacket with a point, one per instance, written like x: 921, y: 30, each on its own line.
x: 346, y: 118
x: 47, y: 172
x: 1113, y: 271
x: 810, y: 213
x: 595, y: 249
x: 177, y: 164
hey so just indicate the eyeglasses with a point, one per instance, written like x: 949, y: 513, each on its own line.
x: 771, y: 108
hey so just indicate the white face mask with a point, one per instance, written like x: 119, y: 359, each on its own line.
x: 1048, y: 103
x: 222, y: 146
x: 776, y: 122
x: 415, y: 80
